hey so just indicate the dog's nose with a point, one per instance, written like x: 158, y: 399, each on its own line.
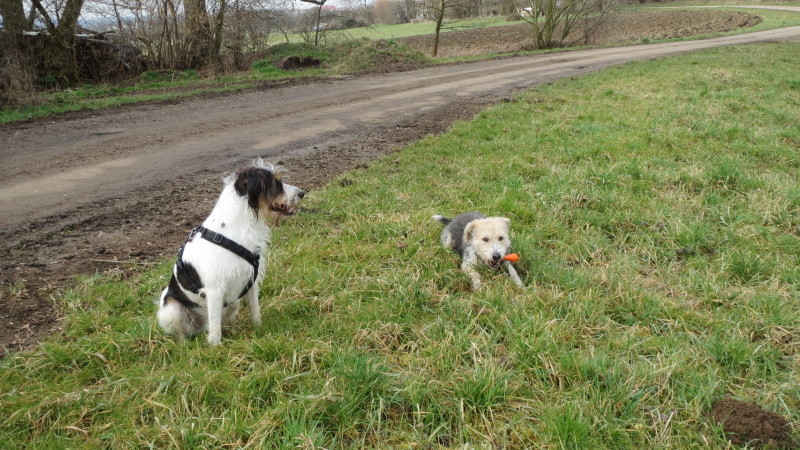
x: 301, y: 194
x: 496, y: 256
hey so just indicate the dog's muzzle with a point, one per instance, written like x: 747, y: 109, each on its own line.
x: 284, y: 209
x: 289, y: 209
x: 495, y: 261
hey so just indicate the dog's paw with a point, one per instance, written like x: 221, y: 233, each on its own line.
x: 214, y: 339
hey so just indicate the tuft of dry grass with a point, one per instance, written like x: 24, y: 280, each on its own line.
x: 16, y: 81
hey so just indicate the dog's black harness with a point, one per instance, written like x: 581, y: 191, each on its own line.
x: 251, y: 257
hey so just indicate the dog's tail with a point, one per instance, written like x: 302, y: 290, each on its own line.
x: 444, y: 220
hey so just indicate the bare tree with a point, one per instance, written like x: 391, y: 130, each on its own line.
x: 390, y: 12
x: 316, y: 24
x: 554, y: 22
x: 438, y: 10
x: 217, y: 33
x: 363, y: 10
x: 248, y: 26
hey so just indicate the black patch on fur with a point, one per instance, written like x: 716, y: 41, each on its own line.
x: 444, y: 220
x: 457, y: 227
x: 175, y: 292
x: 188, y: 278
x: 255, y: 183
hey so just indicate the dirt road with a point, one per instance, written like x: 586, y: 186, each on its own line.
x: 117, y: 189
x: 51, y: 168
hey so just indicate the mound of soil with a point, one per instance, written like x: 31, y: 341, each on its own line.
x: 299, y: 62
x: 617, y: 29
x: 747, y: 424
x: 381, y: 57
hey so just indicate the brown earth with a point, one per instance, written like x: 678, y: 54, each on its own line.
x: 617, y: 29
x: 747, y: 424
x: 116, y: 190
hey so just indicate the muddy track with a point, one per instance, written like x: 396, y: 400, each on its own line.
x: 117, y: 189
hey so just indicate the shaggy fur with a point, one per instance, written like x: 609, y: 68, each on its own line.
x: 479, y: 240
x: 208, y: 280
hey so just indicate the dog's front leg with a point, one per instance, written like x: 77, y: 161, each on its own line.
x: 473, y: 275
x: 252, y: 303
x: 468, y: 266
x: 512, y: 273
x: 215, y: 301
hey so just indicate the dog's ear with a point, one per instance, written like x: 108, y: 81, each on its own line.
x: 240, y: 182
x: 254, y: 183
x: 506, y: 223
x: 468, y: 230
x: 245, y: 183
x: 273, y: 186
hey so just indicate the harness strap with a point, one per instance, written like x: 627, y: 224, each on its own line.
x: 230, y: 245
x: 212, y: 236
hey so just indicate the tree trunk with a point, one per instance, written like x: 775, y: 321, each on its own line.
x: 16, y: 70
x: 68, y: 22
x: 316, y: 26
x: 439, y: 19
x: 320, y: 4
x: 60, y: 58
x: 198, y: 33
x: 216, y: 62
x: 37, y: 5
x: 13, y: 14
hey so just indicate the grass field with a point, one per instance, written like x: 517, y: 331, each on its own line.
x: 381, y: 31
x: 656, y: 208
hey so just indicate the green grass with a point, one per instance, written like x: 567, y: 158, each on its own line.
x: 381, y: 31
x: 656, y: 208
x: 150, y: 86
x: 80, y: 99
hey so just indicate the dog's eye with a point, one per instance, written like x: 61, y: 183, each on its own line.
x: 485, y: 239
x: 500, y: 238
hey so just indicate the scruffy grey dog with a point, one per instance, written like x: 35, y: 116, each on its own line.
x: 478, y: 240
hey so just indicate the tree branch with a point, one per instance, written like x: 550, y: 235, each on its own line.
x: 48, y: 22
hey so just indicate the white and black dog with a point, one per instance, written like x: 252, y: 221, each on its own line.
x: 223, y: 261
x: 479, y: 239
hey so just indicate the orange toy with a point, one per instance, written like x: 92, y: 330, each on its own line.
x: 511, y: 257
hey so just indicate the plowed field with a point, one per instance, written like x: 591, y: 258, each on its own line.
x: 616, y: 29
